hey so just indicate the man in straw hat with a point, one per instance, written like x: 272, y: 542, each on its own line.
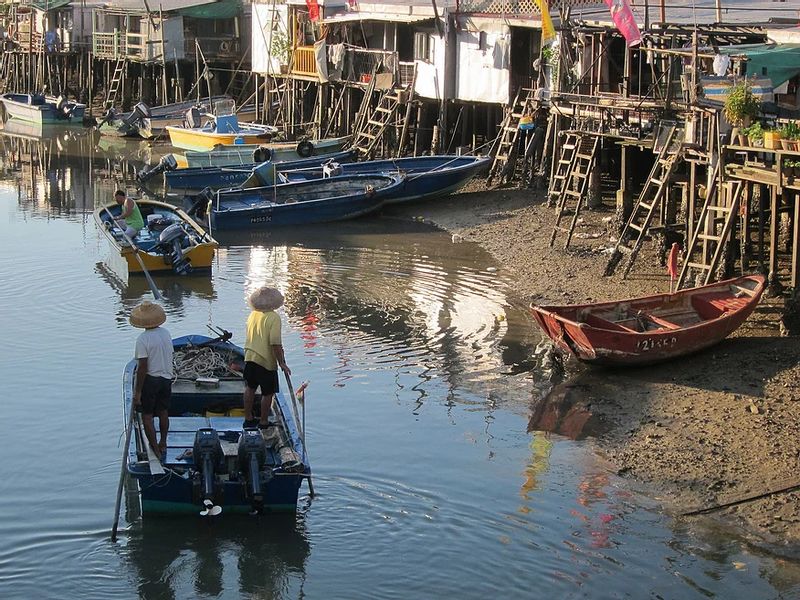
x: 153, y: 387
x: 263, y: 353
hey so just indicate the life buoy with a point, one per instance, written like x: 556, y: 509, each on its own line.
x: 305, y: 149
x: 262, y: 154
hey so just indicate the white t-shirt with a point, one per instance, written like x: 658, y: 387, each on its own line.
x: 156, y: 346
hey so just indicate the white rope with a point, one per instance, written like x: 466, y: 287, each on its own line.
x: 193, y: 362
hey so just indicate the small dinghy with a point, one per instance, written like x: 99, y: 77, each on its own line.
x: 212, y: 465
x: 170, y: 241
x: 651, y: 329
x: 41, y: 110
x: 225, y: 129
x: 301, y: 203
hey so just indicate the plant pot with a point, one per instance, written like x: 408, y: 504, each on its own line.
x: 786, y: 144
x: 743, y: 140
x: 772, y: 140
x: 735, y: 135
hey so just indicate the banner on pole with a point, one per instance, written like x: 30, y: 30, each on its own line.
x: 548, y: 31
x: 623, y: 18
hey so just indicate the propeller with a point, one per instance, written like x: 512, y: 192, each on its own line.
x: 211, y: 509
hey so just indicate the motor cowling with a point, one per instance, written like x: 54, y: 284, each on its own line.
x: 208, y: 460
x: 172, y: 242
x: 252, y: 458
x: 167, y: 163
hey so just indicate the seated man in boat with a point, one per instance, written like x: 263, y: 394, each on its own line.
x: 263, y: 353
x: 153, y: 389
x: 130, y: 220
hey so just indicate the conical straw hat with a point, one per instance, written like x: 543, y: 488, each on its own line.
x: 147, y: 315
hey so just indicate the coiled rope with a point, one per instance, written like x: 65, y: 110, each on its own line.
x: 202, y: 361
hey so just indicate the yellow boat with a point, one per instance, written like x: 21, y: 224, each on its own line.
x: 170, y: 240
x: 224, y: 130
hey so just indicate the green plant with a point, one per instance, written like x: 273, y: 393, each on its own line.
x: 790, y: 131
x: 280, y: 46
x: 755, y: 132
x: 741, y: 104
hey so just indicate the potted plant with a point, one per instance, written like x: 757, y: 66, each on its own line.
x: 754, y: 134
x: 741, y: 106
x: 790, y: 134
x: 280, y: 48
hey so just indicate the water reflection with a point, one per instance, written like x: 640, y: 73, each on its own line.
x: 176, y: 290
x: 261, y: 557
x: 62, y: 171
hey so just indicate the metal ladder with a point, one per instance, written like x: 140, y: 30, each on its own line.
x: 714, y: 227
x: 506, y: 151
x: 116, y: 81
x: 652, y: 194
x: 578, y: 170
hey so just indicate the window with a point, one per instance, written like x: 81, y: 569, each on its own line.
x: 422, y: 46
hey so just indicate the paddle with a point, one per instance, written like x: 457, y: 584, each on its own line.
x: 122, y: 474
x: 301, y: 429
x: 150, y: 282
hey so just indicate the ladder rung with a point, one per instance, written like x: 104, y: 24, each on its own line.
x: 633, y: 226
x: 657, y: 182
x: 624, y: 249
x: 712, y: 238
x: 720, y: 208
x: 383, y: 110
x: 699, y: 266
x: 573, y: 193
x: 646, y: 206
x: 373, y: 122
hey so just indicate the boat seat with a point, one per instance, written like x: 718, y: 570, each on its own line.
x: 600, y: 323
x: 715, y: 304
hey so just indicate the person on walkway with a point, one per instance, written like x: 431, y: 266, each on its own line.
x: 130, y: 220
x: 263, y: 354
x: 153, y: 387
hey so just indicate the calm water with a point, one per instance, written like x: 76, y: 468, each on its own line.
x: 422, y: 371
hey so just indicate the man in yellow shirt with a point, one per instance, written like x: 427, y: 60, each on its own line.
x: 263, y: 353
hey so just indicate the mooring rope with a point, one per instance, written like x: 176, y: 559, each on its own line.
x: 193, y: 362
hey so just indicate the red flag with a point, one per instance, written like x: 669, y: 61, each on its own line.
x: 672, y: 263
x: 623, y: 18
x: 313, y: 10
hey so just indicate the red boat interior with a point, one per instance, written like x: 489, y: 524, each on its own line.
x: 664, y: 313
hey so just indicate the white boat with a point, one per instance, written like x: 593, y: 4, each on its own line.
x: 39, y: 109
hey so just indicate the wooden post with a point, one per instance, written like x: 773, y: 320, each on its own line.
x: 774, y: 235
x: 796, y: 244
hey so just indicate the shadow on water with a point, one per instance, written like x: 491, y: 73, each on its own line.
x: 260, y: 557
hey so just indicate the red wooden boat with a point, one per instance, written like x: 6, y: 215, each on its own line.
x: 651, y: 329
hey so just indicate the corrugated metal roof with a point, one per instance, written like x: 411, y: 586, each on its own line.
x: 367, y: 16
x: 751, y: 12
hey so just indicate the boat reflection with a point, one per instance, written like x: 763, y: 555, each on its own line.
x: 175, y: 289
x: 260, y: 557
x: 65, y: 171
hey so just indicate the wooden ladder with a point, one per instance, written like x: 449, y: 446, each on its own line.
x: 578, y: 171
x: 116, y: 81
x: 714, y: 227
x: 653, y: 193
x: 367, y: 137
x: 560, y: 180
x: 506, y: 151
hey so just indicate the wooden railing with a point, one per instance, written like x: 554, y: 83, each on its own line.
x: 304, y: 61
x: 213, y: 46
x: 119, y: 44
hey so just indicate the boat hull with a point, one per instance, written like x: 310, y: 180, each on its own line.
x: 303, y: 203
x: 578, y: 329
x: 200, y: 255
x: 200, y: 178
x: 242, y: 154
x: 197, y: 139
x: 41, y: 114
x: 176, y: 491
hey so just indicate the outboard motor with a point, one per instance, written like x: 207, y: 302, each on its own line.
x: 262, y: 175
x: 171, y: 241
x: 167, y: 163
x: 140, y: 112
x: 192, y: 118
x: 252, y: 457
x: 331, y: 169
x: 63, y: 107
x: 208, y: 458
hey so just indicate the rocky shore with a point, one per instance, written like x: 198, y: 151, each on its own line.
x: 709, y: 429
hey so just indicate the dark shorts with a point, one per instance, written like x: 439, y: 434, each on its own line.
x: 255, y: 375
x: 156, y: 393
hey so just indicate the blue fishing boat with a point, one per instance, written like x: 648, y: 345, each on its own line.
x: 426, y: 176
x: 211, y: 464
x: 195, y: 179
x: 298, y: 203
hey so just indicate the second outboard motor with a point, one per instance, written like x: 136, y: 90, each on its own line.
x: 140, y: 112
x: 172, y: 241
x: 208, y: 458
x: 252, y: 457
x: 167, y: 163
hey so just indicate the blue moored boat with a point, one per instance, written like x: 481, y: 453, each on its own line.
x: 300, y: 203
x: 426, y: 176
x: 194, y: 179
x: 210, y: 460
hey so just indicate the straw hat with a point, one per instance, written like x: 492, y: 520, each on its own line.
x: 266, y: 298
x: 147, y: 315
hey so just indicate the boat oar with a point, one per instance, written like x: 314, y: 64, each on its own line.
x: 122, y: 474
x: 299, y: 427
x: 150, y: 282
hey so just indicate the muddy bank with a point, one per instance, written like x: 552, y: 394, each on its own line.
x: 708, y: 429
